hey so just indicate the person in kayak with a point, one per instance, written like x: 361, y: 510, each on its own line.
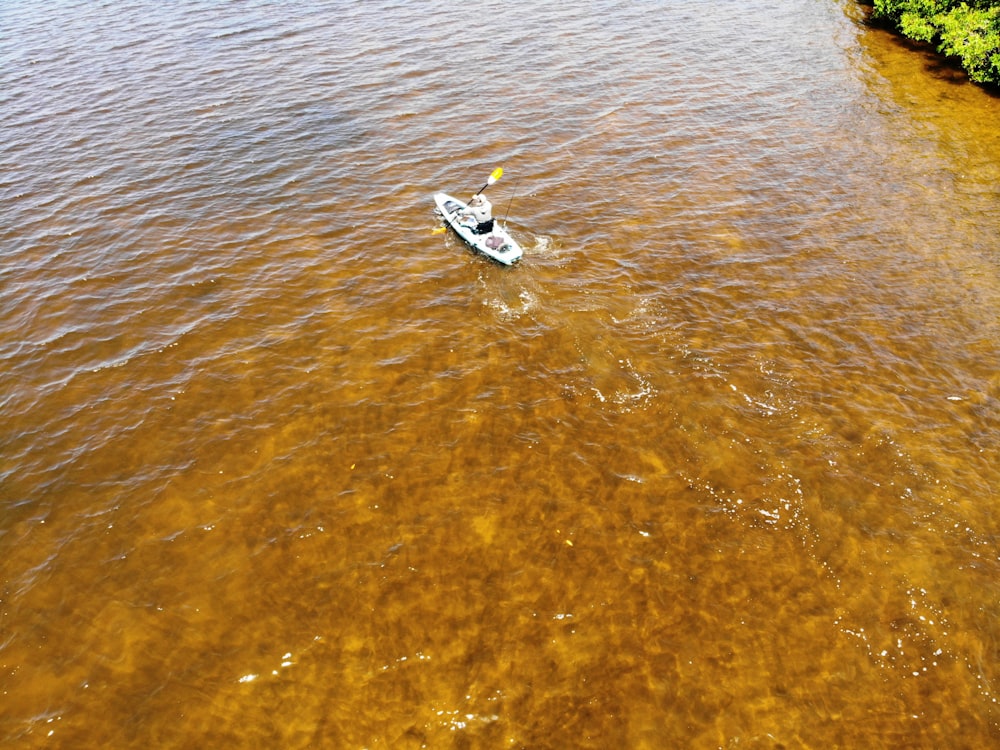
x: 481, y: 211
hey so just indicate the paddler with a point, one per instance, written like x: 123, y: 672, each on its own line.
x: 481, y: 210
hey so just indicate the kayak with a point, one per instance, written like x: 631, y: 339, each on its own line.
x: 497, y: 244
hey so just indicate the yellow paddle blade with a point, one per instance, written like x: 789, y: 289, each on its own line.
x: 496, y: 174
x: 438, y: 230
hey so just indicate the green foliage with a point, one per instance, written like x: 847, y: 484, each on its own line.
x: 969, y: 31
x: 919, y: 20
x: 974, y: 37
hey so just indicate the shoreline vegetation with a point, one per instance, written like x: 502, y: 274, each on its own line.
x: 966, y: 31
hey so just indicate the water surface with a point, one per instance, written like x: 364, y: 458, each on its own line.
x: 713, y: 467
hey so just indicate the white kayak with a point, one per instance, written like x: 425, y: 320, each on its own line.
x: 497, y: 244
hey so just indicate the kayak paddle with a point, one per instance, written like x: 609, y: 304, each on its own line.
x: 495, y: 175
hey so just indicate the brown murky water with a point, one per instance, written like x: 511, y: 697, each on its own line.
x: 713, y: 467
